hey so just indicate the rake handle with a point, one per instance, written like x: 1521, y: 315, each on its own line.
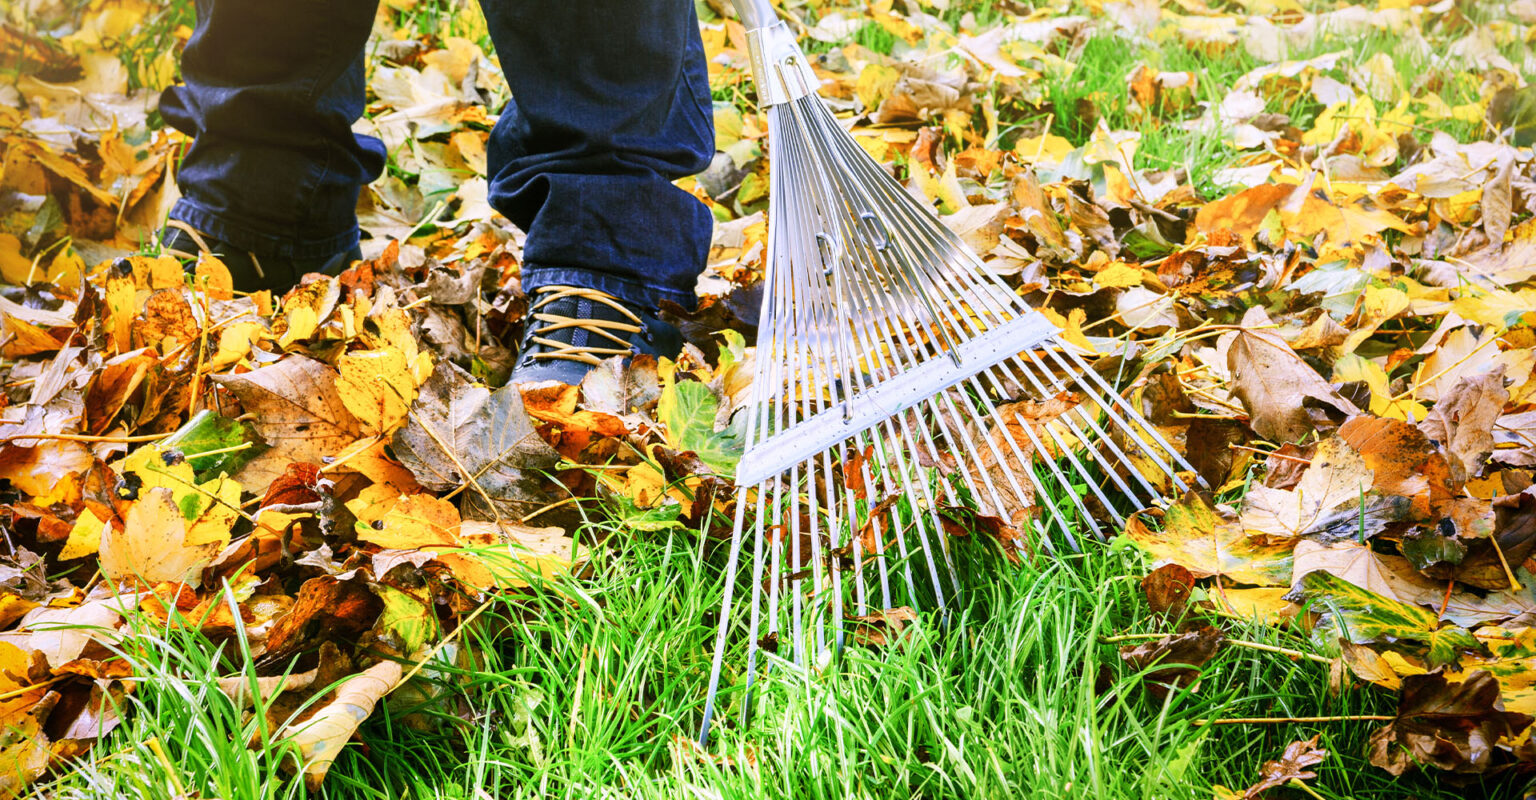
x: 779, y: 69
x: 755, y: 13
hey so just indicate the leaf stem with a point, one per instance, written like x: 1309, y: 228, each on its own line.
x: 82, y: 437
x: 1289, y: 720
x: 1267, y: 648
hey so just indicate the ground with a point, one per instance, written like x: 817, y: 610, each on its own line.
x: 255, y: 544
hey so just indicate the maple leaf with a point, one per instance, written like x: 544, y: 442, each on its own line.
x: 1453, y: 726
x: 1275, y: 384
x: 1291, y: 766
x: 297, y: 410
x: 464, y: 436
x: 1205, y: 541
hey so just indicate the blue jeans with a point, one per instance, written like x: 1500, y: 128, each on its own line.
x: 610, y: 105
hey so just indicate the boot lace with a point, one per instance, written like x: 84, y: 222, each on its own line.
x: 607, y: 329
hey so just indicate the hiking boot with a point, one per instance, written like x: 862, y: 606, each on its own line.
x: 250, y: 274
x: 573, y: 329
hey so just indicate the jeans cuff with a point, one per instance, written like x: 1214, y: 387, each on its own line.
x: 647, y: 296
x: 215, y: 226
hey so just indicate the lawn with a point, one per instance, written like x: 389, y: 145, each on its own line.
x: 1136, y: 123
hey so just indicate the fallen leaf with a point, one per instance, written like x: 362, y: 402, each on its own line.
x: 1291, y: 766
x: 1180, y: 655
x: 463, y: 436
x: 1463, y: 418
x: 1199, y: 538
x: 1365, y: 617
x: 1453, y: 726
x: 320, y: 738
x: 298, y: 411
x: 152, y: 546
x: 1274, y: 385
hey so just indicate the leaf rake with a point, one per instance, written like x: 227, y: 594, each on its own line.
x: 896, y: 379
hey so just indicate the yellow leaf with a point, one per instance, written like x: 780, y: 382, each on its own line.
x: 15, y: 268
x: 1351, y: 367
x: 1046, y: 147
x: 1118, y: 275
x: 507, y: 554
x: 378, y: 387
x: 84, y: 538
x: 235, y: 341
x: 415, y: 522
x: 153, y: 543
x: 1265, y: 604
x: 212, y: 526
x: 1377, y: 306
x: 875, y: 84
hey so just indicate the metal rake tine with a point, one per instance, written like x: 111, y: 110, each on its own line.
x: 717, y: 663
x: 1109, y: 441
x: 1108, y: 467
x: 1083, y: 368
x: 813, y: 399
x: 880, y: 347
x: 1100, y: 433
x: 970, y: 278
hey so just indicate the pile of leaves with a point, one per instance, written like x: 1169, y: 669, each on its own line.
x: 1335, y: 327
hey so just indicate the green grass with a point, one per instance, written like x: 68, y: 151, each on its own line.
x: 589, y: 687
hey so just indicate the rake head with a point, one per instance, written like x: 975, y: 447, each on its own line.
x: 897, y: 379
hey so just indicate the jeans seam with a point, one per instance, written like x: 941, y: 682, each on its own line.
x: 306, y: 194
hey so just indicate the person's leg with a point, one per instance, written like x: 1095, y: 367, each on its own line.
x: 610, y: 105
x: 271, y: 90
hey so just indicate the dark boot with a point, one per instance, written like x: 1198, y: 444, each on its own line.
x: 250, y: 273
x: 571, y: 329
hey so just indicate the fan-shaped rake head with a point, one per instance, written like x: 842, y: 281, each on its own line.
x: 899, y: 385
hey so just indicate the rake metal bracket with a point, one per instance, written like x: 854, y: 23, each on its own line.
x: 796, y: 444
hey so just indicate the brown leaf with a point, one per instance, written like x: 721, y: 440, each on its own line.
x: 1514, y: 530
x: 564, y: 427
x: 167, y: 322
x: 1448, y: 725
x: 1167, y: 589
x: 1332, y: 502
x: 1402, y: 459
x: 1292, y: 765
x: 1284, y: 467
x: 110, y: 388
x: 326, y: 608
x: 1189, y: 651
x: 1463, y: 418
x: 881, y: 628
x: 1274, y: 385
x: 298, y: 411
x: 464, y: 436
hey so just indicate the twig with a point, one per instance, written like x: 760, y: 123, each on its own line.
x: 549, y: 507
x: 23, y: 690
x: 1268, y: 648
x: 1288, y: 720
x: 81, y: 437
x: 1514, y: 585
x: 1271, y: 453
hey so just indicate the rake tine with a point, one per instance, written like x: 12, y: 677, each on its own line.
x: 1083, y: 368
